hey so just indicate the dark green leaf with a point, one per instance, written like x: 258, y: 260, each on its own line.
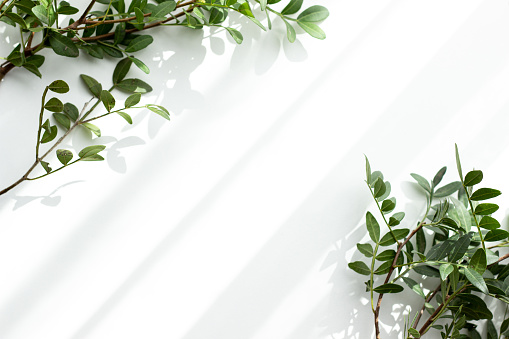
x: 476, y: 279
x: 292, y: 7
x: 495, y: 235
x: 108, y: 100
x: 414, y: 333
x: 312, y: 29
x: 379, y: 188
x: 46, y: 166
x: 49, y: 135
x: 414, y: 286
x: 478, y: 261
x: 126, y: 116
x: 427, y: 271
x: 389, y: 288
x: 134, y: 86
x: 91, y: 150
x: 17, y: 19
x: 132, y: 100
x: 484, y: 194
x: 445, y: 270
x: 420, y: 240
x: 71, y: 111
x: 440, y: 250
x: 314, y: 14
x: 396, y: 218
x: 41, y: 13
x: 139, y: 43
x: 489, y: 223
x: 140, y: 64
x: 59, y: 86
x: 93, y: 128
x: 121, y: 70
x: 163, y: 9
x: 373, y: 227
x: 112, y: 52
x: 365, y: 249
x: 422, y: 182
x: 32, y: 68
x: 160, y: 110
x: 388, y: 205
x: 62, y: 45
x: 384, y: 268
x: 460, y: 248
x: 386, y: 255
x: 374, y: 176
x: 92, y: 84
x: 473, y: 178
x: 62, y: 120
x: 438, y: 177
x: 360, y: 267
x: 54, y: 105
x: 388, y: 239
x: 36, y: 60
x: 447, y: 189
x: 119, y: 33
x: 492, y: 330
x: 64, y: 156
x: 93, y: 50
x: 486, y: 208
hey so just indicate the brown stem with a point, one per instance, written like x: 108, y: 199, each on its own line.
x: 427, y: 300
x: 3, y: 4
x: 5, y: 68
x: 83, y: 17
x: 380, y: 296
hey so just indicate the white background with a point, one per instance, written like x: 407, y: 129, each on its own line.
x: 236, y: 220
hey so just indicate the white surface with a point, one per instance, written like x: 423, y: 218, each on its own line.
x: 237, y: 219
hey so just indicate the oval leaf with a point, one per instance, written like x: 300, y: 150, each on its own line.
x: 388, y: 288
x: 484, y: 194
x: 359, y: 267
x: 121, y: 70
x: 93, y: 85
x: 134, y: 86
x: 64, y: 156
x: 54, y: 105
x: 489, y: 223
x: 473, y: 178
x: 476, y: 279
x: 373, y: 227
x: 486, y: 208
x: 91, y: 150
x: 59, y: 86
x: 314, y: 14
x: 108, y: 100
x: 132, y: 100
x: 139, y: 43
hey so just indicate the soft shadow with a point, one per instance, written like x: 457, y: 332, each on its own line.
x: 50, y: 200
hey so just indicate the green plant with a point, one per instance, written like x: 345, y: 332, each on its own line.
x: 111, y: 29
x: 458, y: 253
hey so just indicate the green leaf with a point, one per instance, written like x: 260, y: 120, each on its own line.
x: 422, y: 182
x: 46, y: 166
x: 159, y: 110
x: 62, y: 119
x: 420, y: 240
x: 495, y: 235
x: 54, y: 105
x: 368, y: 170
x: 126, y: 116
x: 486, y: 208
x: 49, y: 135
x: 396, y: 218
x: 290, y: 32
x: 17, y: 19
x: 489, y: 223
x: 71, y: 111
x: 388, y: 239
x: 91, y: 150
x: 41, y: 13
x: 33, y: 69
x: 414, y: 286
x: 414, y: 333
x: 92, y: 84
x: 140, y: 64
x: 62, y: 45
x: 108, y: 100
x: 491, y: 330
x: 312, y: 29
x: 379, y: 188
x: 388, y: 288
x: 462, y: 214
x: 121, y: 70
x: 134, y: 86
x: 384, y: 268
x: 59, y: 86
x: 373, y: 227
x: 163, y: 9
x: 236, y: 35
x: 388, y: 205
x: 460, y: 248
x: 476, y: 279
x: 365, y: 249
x: 119, y: 33
x: 64, y: 156
x: 314, y: 14
x: 447, y: 189
x: 438, y: 177
x: 484, y: 194
x: 458, y: 163
x: 359, y: 267
x: 440, y: 250
x: 478, y: 261
x: 386, y: 255
x: 245, y: 9
x: 95, y: 157
x: 445, y: 270
x: 139, y: 43
x: 292, y: 7
x: 93, y: 50
x: 93, y: 128
x: 473, y: 178
x: 132, y: 100
x: 427, y: 271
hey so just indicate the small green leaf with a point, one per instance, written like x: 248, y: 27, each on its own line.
x: 119, y: 33
x: 91, y: 150
x: 71, y: 111
x: 49, y: 135
x: 447, y: 190
x: 62, y: 45
x: 379, y: 188
x: 245, y: 9
x: 236, y: 35
x: 159, y: 110
x: 292, y: 7
x: 95, y: 157
x: 476, y: 279
x: 414, y: 286
x: 486, y: 208
x: 360, y: 267
x: 422, y: 182
x: 438, y: 177
x: 62, y: 119
x: 427, y: 271
x: 458, y: 163
x: 46, y: 166
x: 420, y: 240
x: 484, y: 194
x: 396, y: 218
x: 384, y: 268
x: 414, y: 333
x: 290, y: 32
x: 373, y: 227
x: 489, y: 223
x: 388, y: 205
x: 163, y: 9
x: 64, y: 156
x: 108, y: 100
x: 388, y: 239
x: 365, y: 249
x: 478, y: 261
x: 140, y: 64
x: 473, y: 178
x: 368, y: 170
x: 388, y: 288
x: 496, y: 235
x: 314, y: 14
x: 121, y: 70
x: 460, y: 248
x: 132, y: 100
x: 54, y: 105
x: 312, y: 29
x: 139, y: 43
x: 93, y: 128
x: 41, y: 13
x: 126, y: 116
x: 386, y: 255
x: 134, y: 86
x: 462, y: 214
x: 59, y: 86
x: 445, y: 270
x: 93, y: 85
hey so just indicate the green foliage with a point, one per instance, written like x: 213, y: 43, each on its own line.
x: 446, y: 248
